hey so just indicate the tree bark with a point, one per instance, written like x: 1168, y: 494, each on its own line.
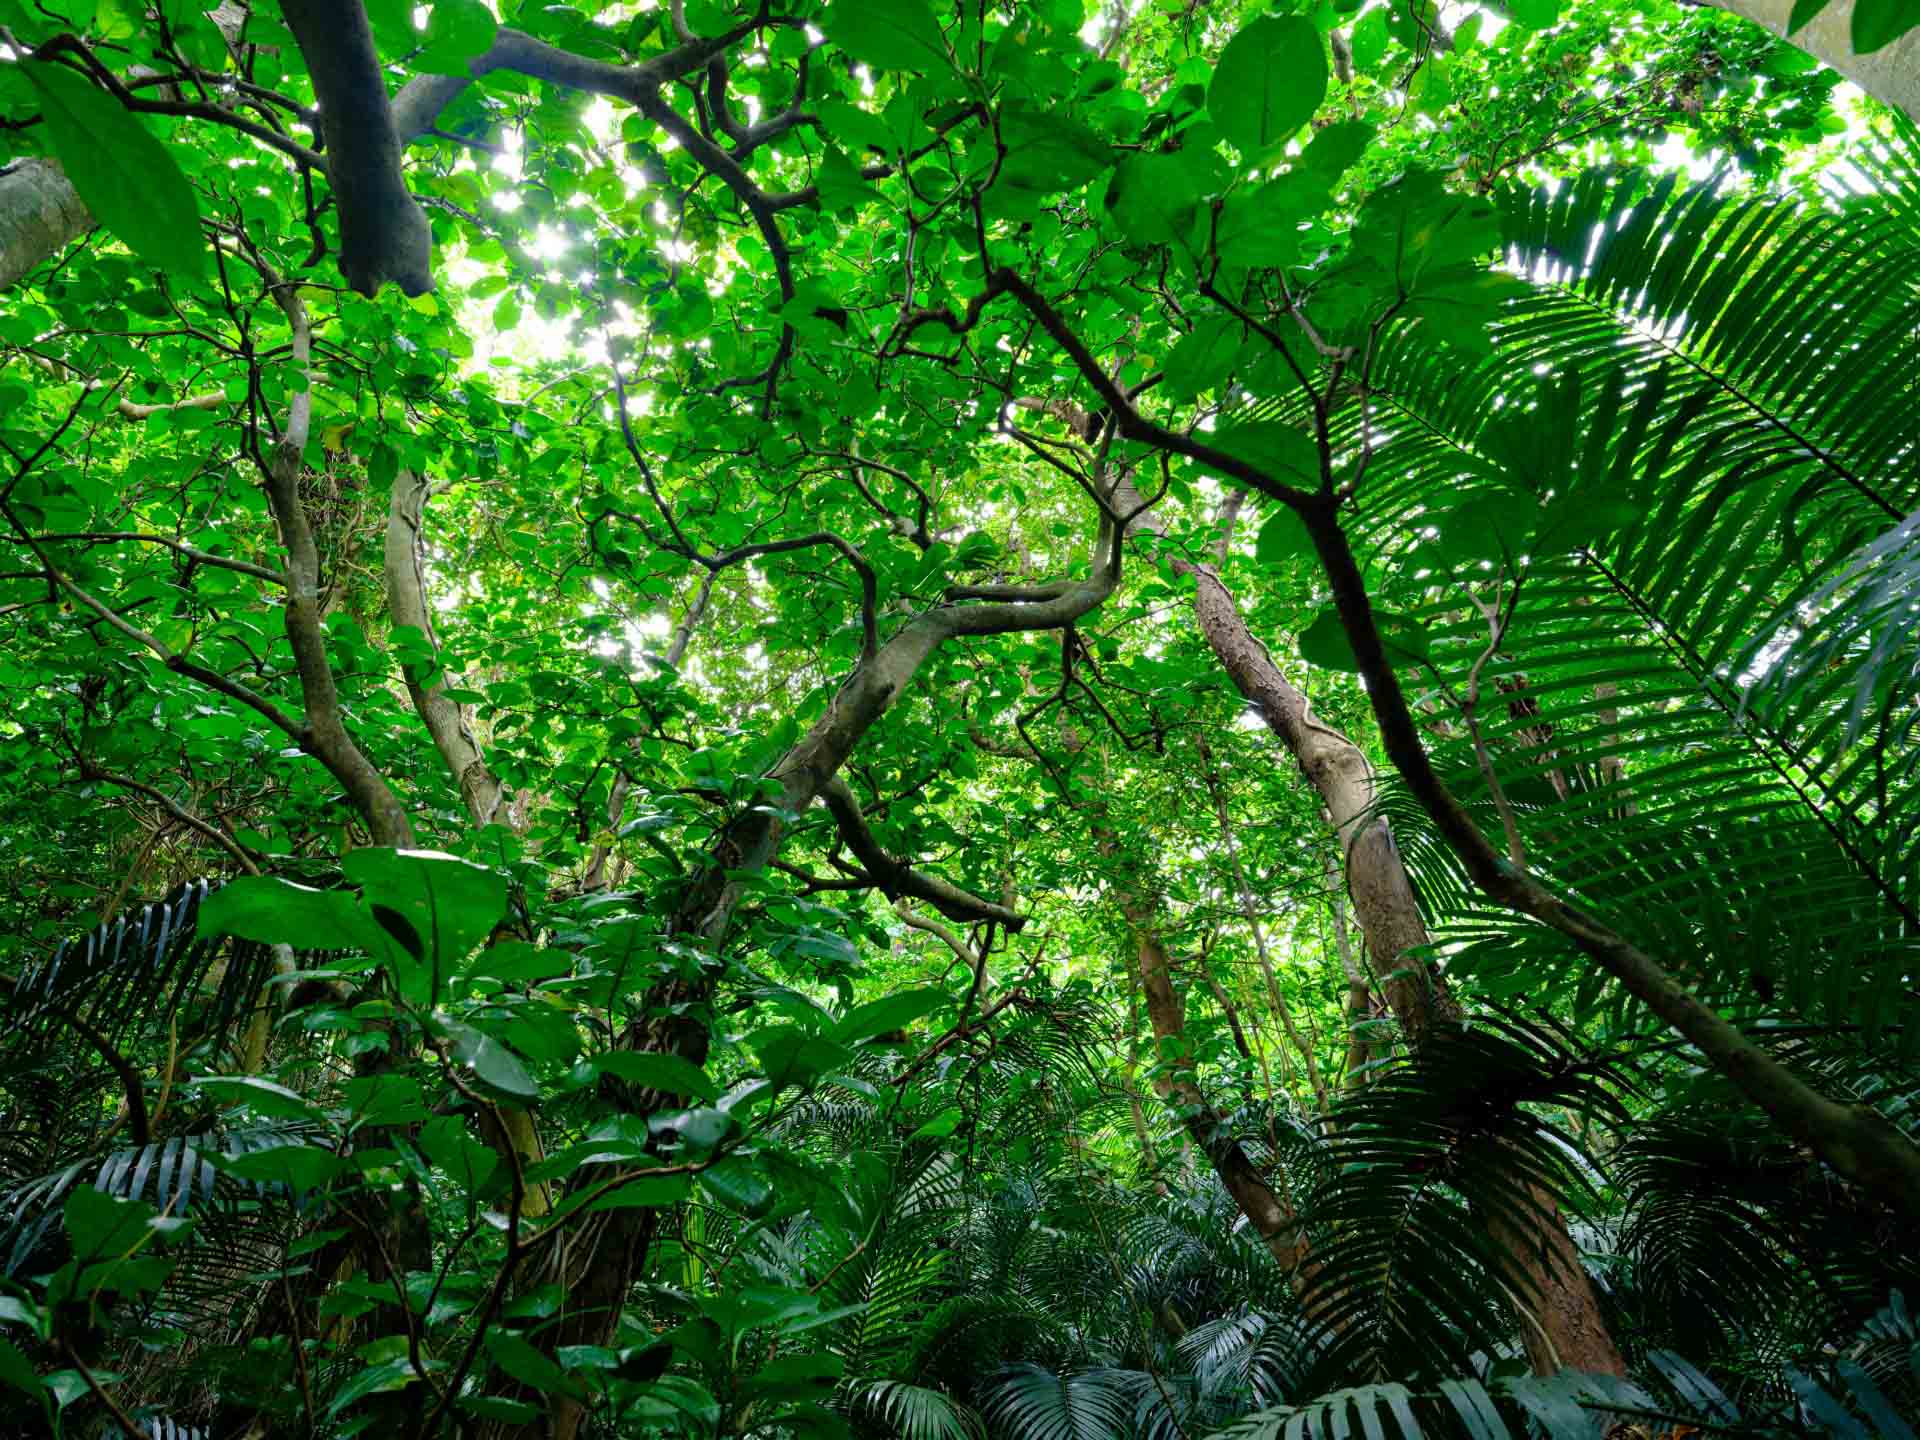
x: 1890, y: 74
x: 1562, y: 1321
x: 40, y: 211
x: 324, y: 732
x: 1270, y: 1213
x: 384, y: 234
x: 444, y: 717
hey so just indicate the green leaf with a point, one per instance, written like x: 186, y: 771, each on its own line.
x: 1271, y: 78
x: 668, y: 1074
x: 889, y: 1012
x: 1283, y: 538
x: 1535, y: 14
x: 457, y: 30
x: 1804, y: 12
x: 853, y: 129
x: 651, y: 1192
x: 890, y: 34
x: 1048, y: 151
x: 105, y: 1227
x: 263, y: 1097
x: 1878, y: 23
x: 1154, y: 198
x: 791, y: 1055
x: 301, y: 1168
x: 493, y: 1064
x: 274, y: 911
x: 1493, y: 526
x: 1324, y: 642
x: 128, y: 179
x: 1334, y: 149
x: 739, y: 1182
x: 941, y: 1125
x: 1370, y: 40
x: 431, y: 911
x: 17, y: 1371
x: 1285, y: 452
x: 379, y: 1379
x: 1203, y: 357
x: 1261, y: 227
x: 447, y: 1144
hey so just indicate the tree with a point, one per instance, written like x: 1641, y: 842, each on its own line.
x: 683, y: 576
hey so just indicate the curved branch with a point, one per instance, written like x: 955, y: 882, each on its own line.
x: 198, y: 557
x: 384, y: 235
x: 895, y: 877
x: 179, y: 812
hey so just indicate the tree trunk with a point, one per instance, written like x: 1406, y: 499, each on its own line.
x: 601, y: 1264
x: 39, y: 212
x: 1562, y: 1318
x: 1270, y: 1214
x: 445, y: 718
x: 1890, y: 74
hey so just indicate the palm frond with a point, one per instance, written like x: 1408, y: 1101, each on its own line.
x: 1026, y: 1402
x: 1441, y: 1152
x: 915, y: 1412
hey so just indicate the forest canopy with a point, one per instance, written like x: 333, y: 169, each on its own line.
x: 942, y: 720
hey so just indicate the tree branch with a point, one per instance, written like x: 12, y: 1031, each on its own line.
x: 896, y: 878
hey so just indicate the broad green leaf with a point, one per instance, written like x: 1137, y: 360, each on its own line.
x: 1203, y: 357
x: 795, y: 1376
x: 1878, y: 23
x: 1271, y: 77
x: 128, y: 179
x: 447, y: 1144
x: 457, y: 30
x: 430, y: 909
x: 263, y: 1097
x: 941, y: 1125
x: 890, y: 34
x: 385, y: 1099
x: 1370, y: 40
x: 1261, y: 227
x: 1048, y: 151
x: 105, y: 1227
x: 793, y: 1056
x: 889, y: 1012
x: 668, y: 1074
x: 388, y: 1375
x: 1282, y: 539
x: 17, y: 1371
x: 853, y: 129
x: 739, y: 1182
x: 1285, y: 452
x: 301, y: 1168
x: 1334, y: 149
x: 1803, y: 14
x: 494, y: 1065
x: 1155, y: 199
x: 278, y: 912
x: 1535, y: 14
x: 649, y: 1192
x: 1492, y: 527
x: 1324, y: 642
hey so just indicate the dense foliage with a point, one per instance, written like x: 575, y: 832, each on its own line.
x: 948, y: 720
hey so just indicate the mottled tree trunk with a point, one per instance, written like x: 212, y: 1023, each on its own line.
x: 39, y: 212
x: 1562, y: 1317
x: 1890, y: 74
x: 1270, y: 1212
